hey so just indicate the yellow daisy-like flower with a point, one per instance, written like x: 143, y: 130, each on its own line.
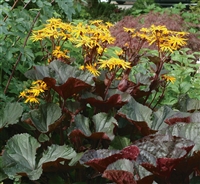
x: 177, y: 41
x: 129, y: 30
x: 96, y: 22
x: 119, y: 53
x: 112, y: 63
x: 60, y: 54
x: 22, y: 94
x: 35, y: 90
x: 82, y: 67
x: 169, y: 78
x: 31, y: 99
x: 92, y: 70
x: 109, y: 24
x: 41, y: 84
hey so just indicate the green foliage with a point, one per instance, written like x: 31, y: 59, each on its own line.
x: 187, y: 78
x: 17, y: 53
x: 196, y: 8
x: 129, y: 125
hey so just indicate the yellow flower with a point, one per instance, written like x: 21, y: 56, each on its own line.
x: 60, y: 54
x: 22, y: 94
x: 112, y: 63
x: 169, y: 78
x: 35, y: 90
x: 129, y: 30
x: 82, y: 67
x: 109, y: 24
x: 92, y: 70
x: 41, y: 84
x: 31, y: 99
x: 177, y: 41
x: 119, y: 53
x: 96, y: 22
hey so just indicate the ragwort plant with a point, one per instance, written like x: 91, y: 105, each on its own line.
x: 100, y: 120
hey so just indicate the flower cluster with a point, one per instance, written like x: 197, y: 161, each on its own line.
x: 94, y: 39
x: 34, y: 92
x: 166, y: 40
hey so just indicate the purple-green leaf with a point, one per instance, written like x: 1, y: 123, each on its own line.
x: 10, y: 114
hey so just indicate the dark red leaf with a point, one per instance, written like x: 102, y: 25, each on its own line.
x: 119, y: 176
x: 69, y: 88
x: 114, y: 101
x: 161, y: 154
x: 146, y: 180
x: 184, y: 169
x: 100, y: 159
x: 177, y: 118
x: 94, y: 135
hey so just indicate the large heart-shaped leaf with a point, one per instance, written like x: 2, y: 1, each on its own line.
x: 190, y: 131
x: 127, y: 171
x: 60, y: 72
x: 120, y: 172
x: 19, y: 156
x: 159, y: 154
x: 54, y: 152
x: 185, y: 168
x: 159, y: 117
x: 104, y: 126
x: 38, y: 72
x: 137, y: 114
x: 64, y: 71
x: 100, y: 159
x: 119, y: 142
x: 45, y: 116
x: 69, y: 88
x: 10, y: 114
x: 112, y: 101
x: 80, y: 127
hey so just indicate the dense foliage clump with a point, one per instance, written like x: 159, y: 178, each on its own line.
x: 89, y: 101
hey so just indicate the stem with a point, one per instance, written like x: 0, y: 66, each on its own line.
x: 20, y: 55
x: 11, y: 10
x: 153, y: 98
x: 109, y: 83
x: 161, y: 97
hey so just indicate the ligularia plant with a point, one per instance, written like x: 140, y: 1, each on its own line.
x: 94, y: 111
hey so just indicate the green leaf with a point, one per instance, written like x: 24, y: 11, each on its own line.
x: 61, y: 72
x: 46, y: 115
x: 136, y: 111
x: 81, y: 124
x: 193, y: 104
x: 55, y: 151
x: 105, y: 123
x: 120, y: 171
x: 119, y: 143
x: 121, y: 164
x: 76, y: 159
x: 2, y: 174
x: 10, y: 114
x: 185, y: 87
x: 137, y: 114
x: 19, y: 156
x: 160, y: 115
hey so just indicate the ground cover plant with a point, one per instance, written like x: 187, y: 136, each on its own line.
x: 101, y: 120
